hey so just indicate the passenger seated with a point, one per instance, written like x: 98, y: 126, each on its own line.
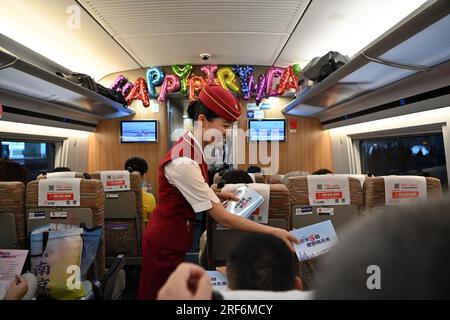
x: 322, y: 171
x: 234, y: 176
x: 23, y: 288
x: 285, y: 180
x: 148, y: 199
x: 261, y: 262
x: 374, y: 259
x: 13, y: 171
x: 400, y: 253
x: 83, y: 175
x: 254, y: 169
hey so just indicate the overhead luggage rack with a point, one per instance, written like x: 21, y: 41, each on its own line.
x: 35, y: 87
x: 417, y: 46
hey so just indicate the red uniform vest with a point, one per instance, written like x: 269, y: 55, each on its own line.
x: 170, y: 224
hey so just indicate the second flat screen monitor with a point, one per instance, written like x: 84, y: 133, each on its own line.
x: 139, y: 131
x: 267, y: 130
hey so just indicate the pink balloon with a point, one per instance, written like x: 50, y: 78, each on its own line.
x: 171, y: 83
x: 210, y: 71
x: 118, y: 83
x: 288, y: 81
x: 139, y: 92
x: 127, y: 88
x: 271, y: 74
x: 260, y: 88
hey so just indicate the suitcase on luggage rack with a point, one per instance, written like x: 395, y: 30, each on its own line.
x: 87, y: 82
x: 321, y: 67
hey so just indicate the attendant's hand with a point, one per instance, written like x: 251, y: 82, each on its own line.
x: 286, y: 237
x: 224, y: 196
x: 222, y: 270
x: 187, y: 282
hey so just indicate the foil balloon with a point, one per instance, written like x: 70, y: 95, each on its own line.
x: 227, y: 79
x: 250, y: 82
x: 196, y: 83
x: 183, y: 72
x: 271, y: 74
x: 171, y: 83
x: 297, y: 70
x: 126, y: 88
x: 244, y: 73
x: 288, y: 81
x: 210, y: 71
x: 118, y: 83
x: 140, y: 92
x: 260, y: 88
x: 155, y: 77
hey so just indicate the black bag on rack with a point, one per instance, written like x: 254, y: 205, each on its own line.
x: 81, y: 79
x: 111, y: 94
x: 321, y: 67
x: 87, y: 82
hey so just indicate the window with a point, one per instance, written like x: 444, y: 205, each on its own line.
x: 422, y: 155
x: 35, y: 156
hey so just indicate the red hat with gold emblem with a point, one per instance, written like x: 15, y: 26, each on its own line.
x: 221, y: 102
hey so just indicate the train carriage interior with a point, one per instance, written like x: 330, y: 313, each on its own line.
x: 338, y: 126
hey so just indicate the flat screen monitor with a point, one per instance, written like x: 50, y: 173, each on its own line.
x: 139, y: 131
x: 267, y: 129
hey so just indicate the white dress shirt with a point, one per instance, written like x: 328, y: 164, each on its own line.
x: 185, y: 174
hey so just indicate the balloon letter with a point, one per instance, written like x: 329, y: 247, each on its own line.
x: 260, y: 88
x: 196, y: 83
x: 171, y: 83
x: 288, y: 81
x: 244, y: 73
x: 297, y: 70
x: 127, y: 88
x: 183, y: 72
x: 155, y: 77
x: 210, y: 72
x: 250, y: 83
x: 118, y: 83
x: 272, y: 73
x: 227, y: 79
x: 140, y: 92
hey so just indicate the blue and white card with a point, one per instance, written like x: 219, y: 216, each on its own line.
x: 218, y: 280
x: 315, y: 240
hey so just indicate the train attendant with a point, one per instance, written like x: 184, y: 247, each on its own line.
x: 183, y: 191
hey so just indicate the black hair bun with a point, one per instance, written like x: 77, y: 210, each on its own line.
x: 191, y: 110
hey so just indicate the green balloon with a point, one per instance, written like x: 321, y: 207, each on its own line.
x: 297, y: 70
x: 183, y: 72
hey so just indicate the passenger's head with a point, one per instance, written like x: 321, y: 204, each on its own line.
x: 137, y: 164
x: 261, y: 262
x: 254, y: 169
x: 234, y: 176
x: 285, y: 178
x: 13, y: 171
x: 404, y: 250
x: 61, y: 169
x: 215, y: 109
x: 322, y: 171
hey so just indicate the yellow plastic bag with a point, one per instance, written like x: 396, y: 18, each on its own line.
x: 55, y: 260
